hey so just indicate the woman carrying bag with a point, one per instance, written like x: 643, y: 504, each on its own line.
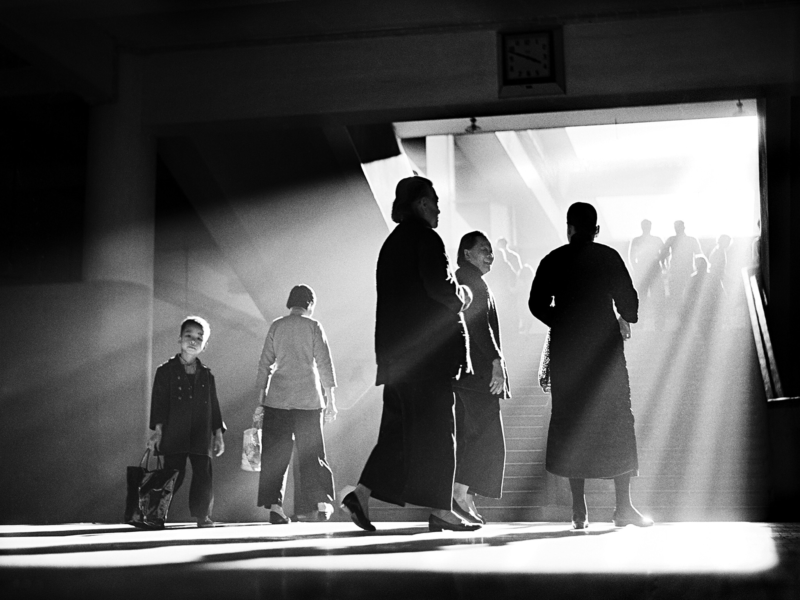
x: 295, y: 392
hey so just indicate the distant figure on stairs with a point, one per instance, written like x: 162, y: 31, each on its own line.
x: 591, y: 433
x: 678, y: 256
x: 644, y: 259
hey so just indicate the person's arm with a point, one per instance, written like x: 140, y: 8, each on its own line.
x: 330, y: 405
x: 632, y: 254
x: 666, y: 253
x: 217, y: 424
x: 626, y: 299
x: 477, y: 318
x: 264, y: 371
x: 159, y: 407
x: 154, y: 443
x: 437, y: 278
x: 541, y: 297
x: 327, y: 374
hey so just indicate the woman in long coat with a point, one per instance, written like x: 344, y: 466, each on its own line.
x: 480, y: 443
x: 591, y: 434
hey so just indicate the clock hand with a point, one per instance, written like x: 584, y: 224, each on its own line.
x: 526, y: 57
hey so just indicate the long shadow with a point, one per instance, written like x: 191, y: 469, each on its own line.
x: 417, y: 541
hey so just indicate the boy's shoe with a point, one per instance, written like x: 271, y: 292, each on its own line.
x: 205, y: 522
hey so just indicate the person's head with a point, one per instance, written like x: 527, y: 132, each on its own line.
x: 582, y: 222
x: 476, y: 249
x: 724, y: 241
x: 680, y: 227
x: 195, y: 332
x: 700, y: 265
x: 415, y: 197
x: 502, y: 243
x: 647, y: 225
x: 303, y: 297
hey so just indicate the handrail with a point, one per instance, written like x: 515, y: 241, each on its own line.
x: 758, y: 321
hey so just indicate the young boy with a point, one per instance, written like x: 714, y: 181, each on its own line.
x: 185, y: 415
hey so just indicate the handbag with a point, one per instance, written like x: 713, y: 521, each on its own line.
x: 149, y: 493
x: 251, y: 448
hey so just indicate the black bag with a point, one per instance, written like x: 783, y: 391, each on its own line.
x: 149, y: 493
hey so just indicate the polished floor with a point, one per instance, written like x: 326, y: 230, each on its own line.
x: 401, y: 560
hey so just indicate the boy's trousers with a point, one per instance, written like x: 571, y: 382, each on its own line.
x: 201, y: 491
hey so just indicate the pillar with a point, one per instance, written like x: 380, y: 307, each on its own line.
x: 119, y: 242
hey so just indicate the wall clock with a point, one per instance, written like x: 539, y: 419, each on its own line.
x: 530, y: 63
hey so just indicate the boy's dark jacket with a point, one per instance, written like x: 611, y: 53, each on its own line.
x: 188, y: 418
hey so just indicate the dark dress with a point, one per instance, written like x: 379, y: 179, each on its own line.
x: 420, y: 346
x: 480, y: 442
x: 591, y: 432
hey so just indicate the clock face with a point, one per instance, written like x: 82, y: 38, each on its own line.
x: 527, y: 57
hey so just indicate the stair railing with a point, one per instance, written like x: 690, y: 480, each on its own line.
x: 758, y: 321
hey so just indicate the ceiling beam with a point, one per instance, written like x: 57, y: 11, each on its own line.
x: 79, y: 58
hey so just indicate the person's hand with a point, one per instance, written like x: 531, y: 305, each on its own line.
x: 330, y: 412
x: 219, y: 443
x: 154, y: 442
x: 624, y: 329
x: 330, y: 407
x: 498, y: 381
x: 258, y: 415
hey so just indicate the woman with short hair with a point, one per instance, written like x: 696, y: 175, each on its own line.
x: 294, y: 369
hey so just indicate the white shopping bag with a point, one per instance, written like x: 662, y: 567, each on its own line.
x: 251, y: 450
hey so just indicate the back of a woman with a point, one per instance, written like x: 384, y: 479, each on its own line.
x: 295, y: 387
x: 575, y: 292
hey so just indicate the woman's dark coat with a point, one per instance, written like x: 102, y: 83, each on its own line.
x: 483, y: 330
x: 419, y: 331
x: 575, y: 291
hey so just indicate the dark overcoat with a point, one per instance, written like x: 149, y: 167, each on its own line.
x: 187, y: 408
x: 419, y: 330
x: 483, y: 329
x: 575, y: 292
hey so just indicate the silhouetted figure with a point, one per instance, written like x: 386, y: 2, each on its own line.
x: 703, y: 295
x: 591, y: 433
x: 503, y: 280
x: 644, y: 259
x: 420, y: 347
x: 294, y: 369
x: 524, y: 281
x: 509, y: 255
x: 480, y: 443
x: 678, y: 256
x: 718, y: 261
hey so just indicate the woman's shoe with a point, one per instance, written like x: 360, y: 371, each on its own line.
x: 353, y: 507
x: 276, y: 518
x: 580, y: 520
x: 631, y: 517
x: 437, y: 524
x: 465, y: 514
x: 580, y: 523
x: 323, y: 513
x: 205, y: 522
